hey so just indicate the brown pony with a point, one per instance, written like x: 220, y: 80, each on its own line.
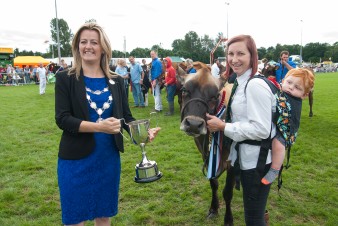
x: 201, y: 95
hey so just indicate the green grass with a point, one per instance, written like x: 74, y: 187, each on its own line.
x: 28, y: 156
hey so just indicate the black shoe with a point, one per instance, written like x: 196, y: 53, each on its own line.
x: 168, y: 113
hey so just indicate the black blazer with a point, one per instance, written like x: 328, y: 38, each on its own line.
x: 71, y: 108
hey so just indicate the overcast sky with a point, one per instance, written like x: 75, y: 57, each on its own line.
x: 26, y: 24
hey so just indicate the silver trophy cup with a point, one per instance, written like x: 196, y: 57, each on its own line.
x: 146, y: 170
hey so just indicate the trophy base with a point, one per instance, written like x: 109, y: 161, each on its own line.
x: 147, y: 172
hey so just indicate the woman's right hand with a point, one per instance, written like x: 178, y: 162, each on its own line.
x: 111, y: 125
x: 215, y: 124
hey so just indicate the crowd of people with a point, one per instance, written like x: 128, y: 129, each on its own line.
x: 138, y: 78
x: 11, y: 75
x: 144, y: 78
x: 15, y: 75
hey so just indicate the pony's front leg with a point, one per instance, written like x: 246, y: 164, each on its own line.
x: 213, y: 211
x: 311, y: 103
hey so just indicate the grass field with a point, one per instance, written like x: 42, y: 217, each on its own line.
x: 28, y: 155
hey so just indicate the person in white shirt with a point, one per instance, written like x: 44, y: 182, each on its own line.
x: 9, y: 73
x: 27, y: 74
x: 15, y: 77
x: 262, y: 65
x: 215, y: 68
x: 41, y: 74
x: 250, y: 121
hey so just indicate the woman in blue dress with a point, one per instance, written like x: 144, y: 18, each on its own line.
x: 90, y: 103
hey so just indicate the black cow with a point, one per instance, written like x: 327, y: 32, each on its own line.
x: 200, y: 94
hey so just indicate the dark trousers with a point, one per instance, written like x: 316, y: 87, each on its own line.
x: 126, y: 86
x: 254, y: 197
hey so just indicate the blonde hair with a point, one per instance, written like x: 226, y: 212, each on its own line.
x: 122, y: 62
x: 189, y: 62
x: 105, y: 44
x: 306, y: 75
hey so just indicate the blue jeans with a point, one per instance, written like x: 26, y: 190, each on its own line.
x: 171, y: 90
x: 137, y: 94
x: 27, y: 78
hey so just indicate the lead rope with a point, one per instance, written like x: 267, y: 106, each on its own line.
x: 215, y: 149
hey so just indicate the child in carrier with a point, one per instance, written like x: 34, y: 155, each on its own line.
x: 297, y: 84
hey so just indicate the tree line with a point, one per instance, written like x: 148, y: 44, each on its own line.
x: 191, y: 46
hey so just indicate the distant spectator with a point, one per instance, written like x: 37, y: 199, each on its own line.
x: 136, y: 76
x: 122, y: 70
x: 190, y: 67
x: 215, y: 68
x: 2, y: 73
x: 34, y: 77
x: 9, y: 73
x: 284, y: 66
x: 146, y: 82
x: 156, y: 71
x: 51, y: 67
x: 262, y: 65
x: 63, y: 64
x: 9, y: 69
x: 15, y: 77
x: 170, y: 83
x: 41, y: 74
x: 27, y: 74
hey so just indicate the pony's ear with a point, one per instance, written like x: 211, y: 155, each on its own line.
x: 180, y: 74
x: 199, y: 65
x: 182, y: 78
x: 222, y: 82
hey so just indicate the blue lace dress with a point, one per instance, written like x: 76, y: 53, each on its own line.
x: 89, y: 187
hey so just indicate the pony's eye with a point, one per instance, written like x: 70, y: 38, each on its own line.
x: 213, y: 99
x: 184, y: 91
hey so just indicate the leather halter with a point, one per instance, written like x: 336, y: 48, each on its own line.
x: 210, y: 111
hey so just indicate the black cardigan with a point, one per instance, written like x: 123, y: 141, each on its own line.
x: 71, y: 108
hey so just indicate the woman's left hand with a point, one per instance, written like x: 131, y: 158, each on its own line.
x: 152, y: 133
x: 214, y: 124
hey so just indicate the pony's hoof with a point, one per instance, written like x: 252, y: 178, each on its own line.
x: 228, y: 221
x: 310, y: 114
x: 212, y: 214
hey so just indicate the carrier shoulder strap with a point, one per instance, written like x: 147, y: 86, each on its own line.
x: 273, y: 88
